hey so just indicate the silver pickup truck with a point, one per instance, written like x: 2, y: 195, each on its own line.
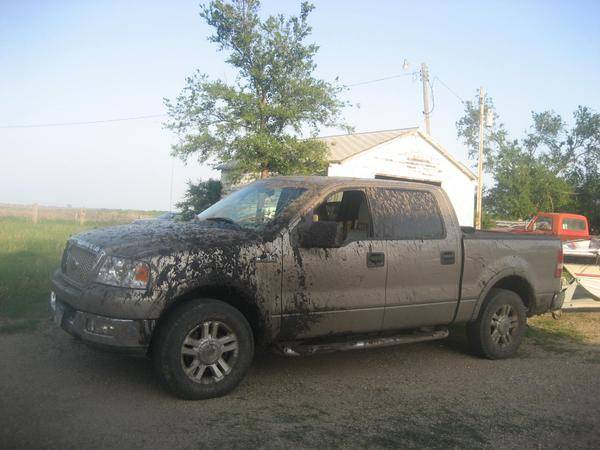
x: 302, y: 265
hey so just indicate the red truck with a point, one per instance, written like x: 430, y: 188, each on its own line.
x: 566, y: 226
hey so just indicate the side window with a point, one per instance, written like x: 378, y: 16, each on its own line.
x: 543, y: 224
x: 573, y: 225
x: 351, y: 212
x: 406, y: 214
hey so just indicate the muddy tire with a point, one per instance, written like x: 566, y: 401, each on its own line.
x: 203, y: 349
x: 500, y: 326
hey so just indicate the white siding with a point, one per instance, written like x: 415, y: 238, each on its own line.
x: 410, y: 156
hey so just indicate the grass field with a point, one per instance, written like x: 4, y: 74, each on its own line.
x: 28, y: 255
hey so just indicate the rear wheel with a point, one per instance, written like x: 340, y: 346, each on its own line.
x: 203, y: 349
x: 500, y: 326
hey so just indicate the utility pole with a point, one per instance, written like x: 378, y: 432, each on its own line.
x: 425, y: 80
x: 478, y: 212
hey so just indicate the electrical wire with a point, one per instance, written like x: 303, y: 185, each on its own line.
x: 430, y: 83
x: 391, y: 77
x: 89, y: 122
x: 154, y: 116
x: 449, y: 88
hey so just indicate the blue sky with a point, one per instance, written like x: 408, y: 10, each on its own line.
x: 68, y: 61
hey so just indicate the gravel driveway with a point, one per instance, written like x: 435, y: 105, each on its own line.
x: 57, y: 393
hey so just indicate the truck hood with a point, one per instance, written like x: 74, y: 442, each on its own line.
x: 163, y: 237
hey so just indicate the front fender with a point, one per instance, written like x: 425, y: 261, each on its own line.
x: 231, y: 274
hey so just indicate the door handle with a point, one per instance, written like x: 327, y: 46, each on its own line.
x: 375, y: 259
x: 447, y: 258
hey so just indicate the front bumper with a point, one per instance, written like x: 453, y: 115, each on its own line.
x: 127, y: 335
x: 109, y: 301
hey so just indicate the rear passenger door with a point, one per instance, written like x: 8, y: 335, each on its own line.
x: 422, y: 253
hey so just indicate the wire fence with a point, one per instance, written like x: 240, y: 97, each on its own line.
x: 79, y: 215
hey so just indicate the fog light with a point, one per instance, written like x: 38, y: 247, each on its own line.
x: 100, y: 326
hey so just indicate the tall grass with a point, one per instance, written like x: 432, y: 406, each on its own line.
x: 29, y: 254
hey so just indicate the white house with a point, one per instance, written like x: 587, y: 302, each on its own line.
x: 401, y: 154
x: 404, y: 154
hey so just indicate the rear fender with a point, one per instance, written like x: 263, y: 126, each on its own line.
x: 497, y: 279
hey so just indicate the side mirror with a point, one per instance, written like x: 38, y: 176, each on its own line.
x: 322, y: 234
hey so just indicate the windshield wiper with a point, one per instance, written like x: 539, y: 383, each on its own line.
x: 226, y: 220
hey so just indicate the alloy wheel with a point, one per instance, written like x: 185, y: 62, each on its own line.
x: 209, y: 352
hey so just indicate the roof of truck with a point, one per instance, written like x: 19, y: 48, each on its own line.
x: 562, y: 214
x: 345, y: 181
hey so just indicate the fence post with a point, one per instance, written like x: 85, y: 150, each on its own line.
x: 34, y: 213
x: 81, y: 216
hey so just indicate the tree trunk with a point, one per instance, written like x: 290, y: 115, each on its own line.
x: 264, y: 172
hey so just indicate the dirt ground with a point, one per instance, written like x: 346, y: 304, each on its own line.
x: 57, y: 393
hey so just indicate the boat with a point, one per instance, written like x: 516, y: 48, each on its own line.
x: 582, y: 262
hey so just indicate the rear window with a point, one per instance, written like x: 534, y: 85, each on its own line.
x: 406, y: 214
x: 573, y: 225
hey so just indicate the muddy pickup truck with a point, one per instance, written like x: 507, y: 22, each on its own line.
x: 301, y: 265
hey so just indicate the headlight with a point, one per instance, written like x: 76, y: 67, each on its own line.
x: 124, y: 272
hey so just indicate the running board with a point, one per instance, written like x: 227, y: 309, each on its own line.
x: 300, y: 348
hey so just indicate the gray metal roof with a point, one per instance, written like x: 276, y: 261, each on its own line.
x: 344, y: 146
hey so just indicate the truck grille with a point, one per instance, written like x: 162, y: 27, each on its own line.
x: 78, y: 263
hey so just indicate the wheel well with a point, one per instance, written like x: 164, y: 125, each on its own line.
x: 518, y: 285
x: 240, y: 301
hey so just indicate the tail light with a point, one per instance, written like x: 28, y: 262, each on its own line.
x: 559, y: 264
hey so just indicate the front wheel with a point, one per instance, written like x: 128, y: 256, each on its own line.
x: 203, y: 349
x: 500, y: 326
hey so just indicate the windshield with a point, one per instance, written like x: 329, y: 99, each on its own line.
x: 254, y: 206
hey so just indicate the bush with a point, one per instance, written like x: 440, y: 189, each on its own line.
x: 199, y: 196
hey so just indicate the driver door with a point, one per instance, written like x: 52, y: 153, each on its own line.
x: 329, y: 291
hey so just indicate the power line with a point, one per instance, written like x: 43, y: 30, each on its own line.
x: 391, y: 77
x: 430, y: 83
x: 89, y: 122
x: 154, y: 116
x: 449, y: 88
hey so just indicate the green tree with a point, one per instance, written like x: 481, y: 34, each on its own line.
x: 495, y: 136
x: 199, y: 196
x: 261, y: 120
x: 524, y: 185
x: 573, y: 154
x: 526, y: 178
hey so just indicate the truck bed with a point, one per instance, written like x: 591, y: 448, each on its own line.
x: 489, y: 256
